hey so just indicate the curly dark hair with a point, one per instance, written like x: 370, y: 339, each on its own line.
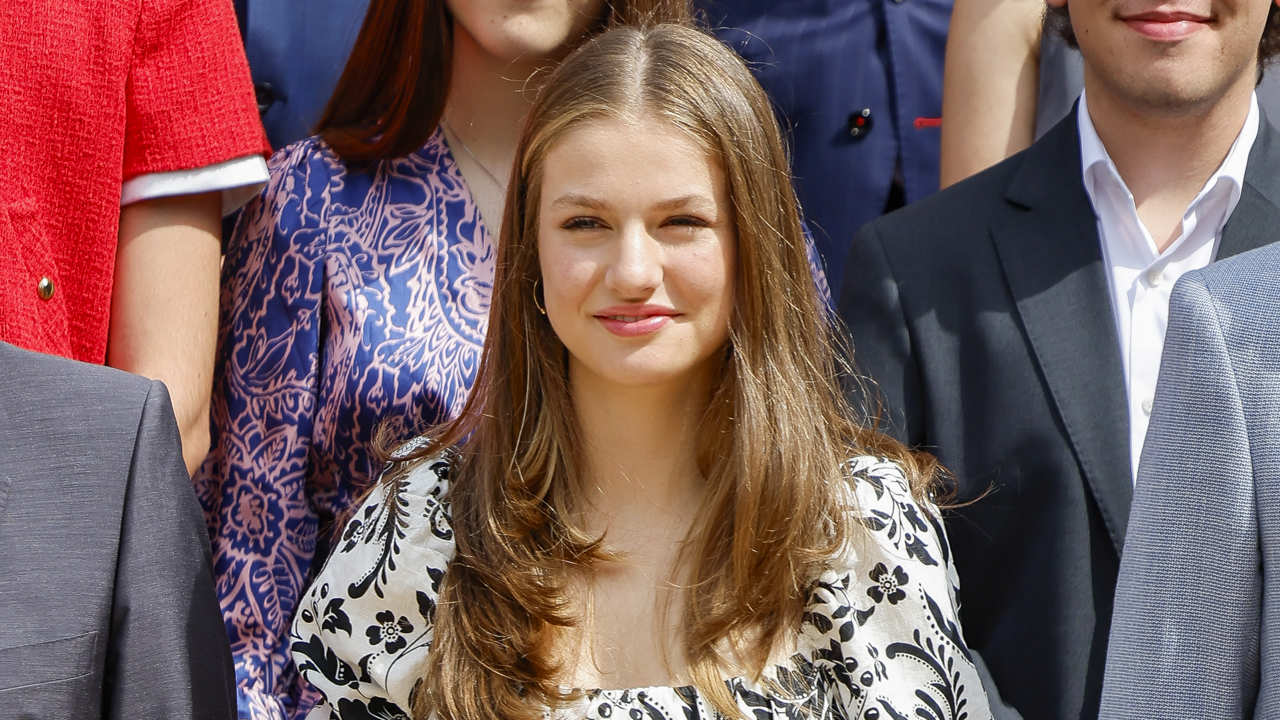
x: 1057, y: 20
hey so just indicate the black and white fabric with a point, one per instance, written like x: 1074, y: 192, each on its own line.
x: 879, y: 638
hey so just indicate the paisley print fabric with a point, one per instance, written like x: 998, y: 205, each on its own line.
x: 348, y: 298
x: 879, y: 638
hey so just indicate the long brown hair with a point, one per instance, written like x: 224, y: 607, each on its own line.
x: 391, y: 94
x: 773, y: 444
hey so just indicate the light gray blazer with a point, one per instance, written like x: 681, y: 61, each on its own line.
x: 106, y: 599
x: 1196, y: 631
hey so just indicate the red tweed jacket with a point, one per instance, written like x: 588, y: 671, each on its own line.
x: 92, y: 94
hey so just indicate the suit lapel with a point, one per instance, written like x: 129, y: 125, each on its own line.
x: 1253, y: 223
x: 1047, y: 242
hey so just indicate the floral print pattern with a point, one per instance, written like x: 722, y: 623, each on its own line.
x: 894, y: 654
x: 888, y: 585
x: 348, y: 299
x: 389, y: 632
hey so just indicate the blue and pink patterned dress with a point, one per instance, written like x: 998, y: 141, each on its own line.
x: 348, y: 298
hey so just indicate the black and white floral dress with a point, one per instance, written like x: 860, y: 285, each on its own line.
x: 879, y: 640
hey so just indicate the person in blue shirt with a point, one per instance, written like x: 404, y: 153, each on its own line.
x: 858, y: 83
x: 296, y: 52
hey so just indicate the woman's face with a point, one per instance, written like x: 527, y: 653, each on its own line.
x: 637, y: 251
x: 511, y: 30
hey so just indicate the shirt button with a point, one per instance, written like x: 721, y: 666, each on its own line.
x: 266, y: 96
x: 1155, y: 276
x: 45, y: 288
x: 860, y: 122
x: 1146, y: 406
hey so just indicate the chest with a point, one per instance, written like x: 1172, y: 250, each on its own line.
x: 631, y: 613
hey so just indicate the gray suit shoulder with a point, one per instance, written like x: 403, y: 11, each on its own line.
x: 1242, y: 296
x: 1245, y: 280
x: 36, y: 386
x: 33, y: 368
x: 49, y: 405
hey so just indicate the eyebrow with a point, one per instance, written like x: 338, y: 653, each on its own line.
x: 586, y: 201
x: 577, y: 200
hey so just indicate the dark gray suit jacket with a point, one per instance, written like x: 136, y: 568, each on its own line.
x: 1196, y: 632
x: 106, y: 598
x: 984, y: 314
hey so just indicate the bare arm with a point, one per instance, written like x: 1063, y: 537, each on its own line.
x: 164, y: 308
x: 989, y: 84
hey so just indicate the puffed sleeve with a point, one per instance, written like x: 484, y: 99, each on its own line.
x: 365, y: 625
x: 190, y: 100
x: 884, y: 618
x: 254, y: 483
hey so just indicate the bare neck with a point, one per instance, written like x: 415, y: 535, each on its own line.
x: 488, y: 101
x: 1165, y: 157
x: 640, y: 447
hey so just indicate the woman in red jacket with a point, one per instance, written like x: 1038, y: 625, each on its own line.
x: 129, y: 126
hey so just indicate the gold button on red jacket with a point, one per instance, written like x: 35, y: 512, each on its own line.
x: 95, y: 93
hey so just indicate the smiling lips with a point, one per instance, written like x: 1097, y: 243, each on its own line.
x: 635, y: 320
x: 1166, y: 25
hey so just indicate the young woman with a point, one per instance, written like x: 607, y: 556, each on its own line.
x: 356, y: 289
x: 655, y: 503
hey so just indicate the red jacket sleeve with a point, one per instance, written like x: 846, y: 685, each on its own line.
x: 190, y: 100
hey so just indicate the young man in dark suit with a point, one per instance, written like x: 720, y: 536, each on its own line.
x: 1014, y: 322
x: 105, y: 587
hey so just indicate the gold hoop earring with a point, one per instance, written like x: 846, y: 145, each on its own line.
x: 537, y: 289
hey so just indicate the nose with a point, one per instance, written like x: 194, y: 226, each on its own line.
x: 636, y: 267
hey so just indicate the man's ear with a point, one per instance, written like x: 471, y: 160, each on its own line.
x: 1054, y: 4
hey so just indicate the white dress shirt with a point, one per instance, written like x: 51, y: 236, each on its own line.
x: 1141, y: 278
x: 238, y: 180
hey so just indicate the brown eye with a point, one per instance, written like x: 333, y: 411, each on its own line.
x: 582, y: 223
x: 687, y: 221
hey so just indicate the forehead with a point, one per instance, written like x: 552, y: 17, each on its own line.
x: 629, y: 159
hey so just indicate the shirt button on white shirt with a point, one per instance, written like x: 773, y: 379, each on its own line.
x: 1140, y: 275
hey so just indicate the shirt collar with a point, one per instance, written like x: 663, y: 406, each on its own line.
x: 1097, y: 167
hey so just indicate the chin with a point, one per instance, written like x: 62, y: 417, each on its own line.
x: 1174, y: 98
x: 1176, y: 88
x: 639, y: 373
x: 642, y: 377
x: 522, y: 37
x: 522, y: 47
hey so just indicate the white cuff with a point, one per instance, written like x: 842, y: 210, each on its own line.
x: 239, y: 180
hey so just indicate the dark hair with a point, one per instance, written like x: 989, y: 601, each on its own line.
x: 1058, y: 20
x: 392, y: 91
